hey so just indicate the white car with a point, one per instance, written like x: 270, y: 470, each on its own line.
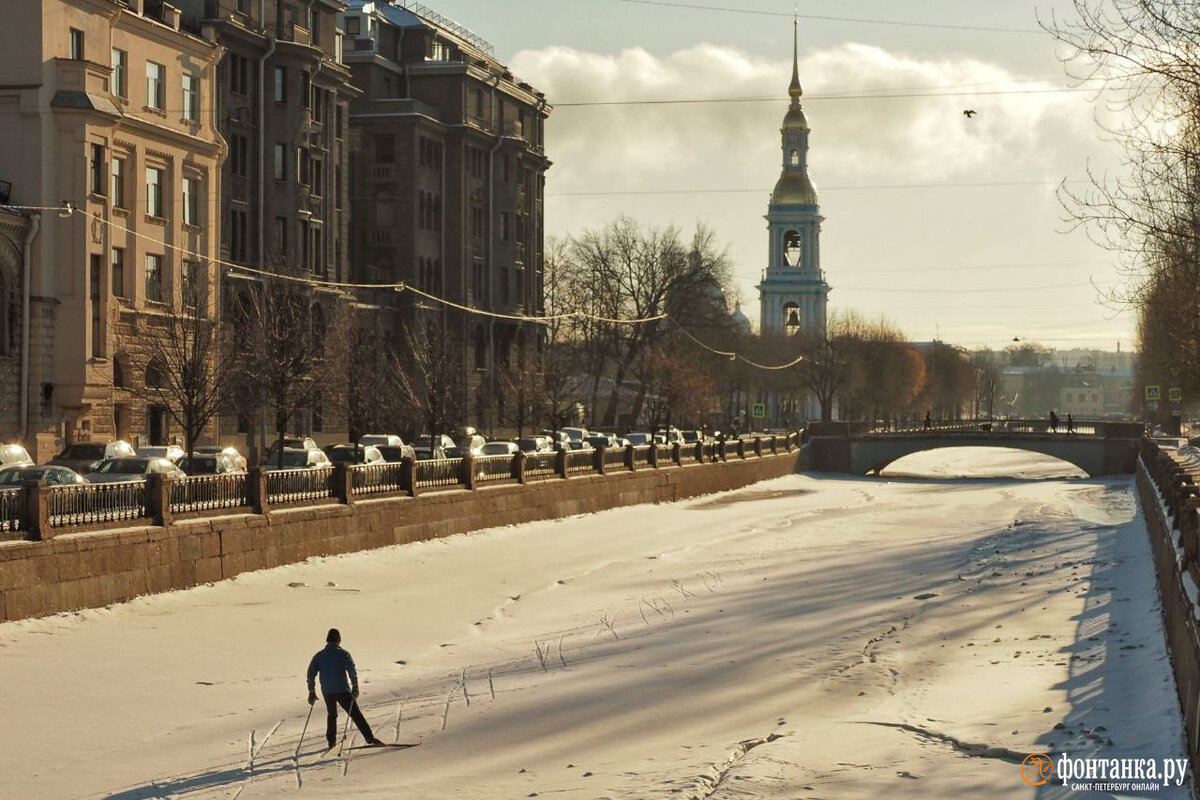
x: 499, y: 449
x: 14, y: 455
x: 123, y: 470
x: 172, y: 452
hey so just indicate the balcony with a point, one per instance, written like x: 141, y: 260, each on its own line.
x: 380, y: 172
x: 295, y: 33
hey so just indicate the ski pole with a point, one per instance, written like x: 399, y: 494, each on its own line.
x: 301, y: 742
x: 346, y: 729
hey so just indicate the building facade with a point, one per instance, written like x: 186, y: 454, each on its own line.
x: 793, y: 293
x: 111, y: 167
x: 448, y: 173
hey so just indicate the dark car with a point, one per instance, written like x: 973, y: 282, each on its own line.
x: 393, y: 454
x: 51, y: 474
x: 83, y: 457
x: 222, y: 463
x: 349, y: 454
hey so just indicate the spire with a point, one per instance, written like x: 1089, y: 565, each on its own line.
x: 795, y: 90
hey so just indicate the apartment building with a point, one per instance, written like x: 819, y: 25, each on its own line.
x: 111, y: 167
x: 448, y: 169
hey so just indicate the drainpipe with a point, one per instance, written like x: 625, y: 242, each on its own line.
x: 35, y: 222
x: 491, y: 243
x: 262, y: 135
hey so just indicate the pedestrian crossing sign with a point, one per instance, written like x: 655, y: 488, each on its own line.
x: 1175, y: 394
x: 1153, y: 392
x: 758, y: 410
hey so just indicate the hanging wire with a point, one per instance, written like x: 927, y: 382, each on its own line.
x: 67, y: 209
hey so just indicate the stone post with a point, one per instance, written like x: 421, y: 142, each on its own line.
x: 408, y: 476
x: 519, y: 466
x: 35, y: 518
x: 653, y: 456
x: 343, y: 489
x: 774, y: 444
x: 598, y: 455
x: 699, y: 451
x: 158, y: 499
x: 758, y: 446
x: 723, y: 450
x: 560, y: 463
x: 256, y: 490
x: 466, y: 475
x: 629, y: 462
x: 741, y: 448
x: 677, y: 454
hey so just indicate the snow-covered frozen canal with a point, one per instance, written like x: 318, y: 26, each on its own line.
x: 807, y: 637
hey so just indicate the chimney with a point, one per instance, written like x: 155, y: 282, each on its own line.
x: 171, y: 15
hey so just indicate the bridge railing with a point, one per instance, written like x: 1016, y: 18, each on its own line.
x: 998, y: 427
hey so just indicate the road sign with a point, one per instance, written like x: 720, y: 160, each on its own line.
x: 758, y: 410
x: 1153, y: 392
x: 1175, y: 394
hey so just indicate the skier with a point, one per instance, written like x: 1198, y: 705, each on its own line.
x: 334, y: 664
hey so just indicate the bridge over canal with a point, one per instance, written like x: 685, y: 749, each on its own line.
x: 1096, y: 447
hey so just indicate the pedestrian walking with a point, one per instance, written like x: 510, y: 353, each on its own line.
x: 928, y: 421
x: 1053, y: 421
x: 1070, y: 423
x: 339, y: 686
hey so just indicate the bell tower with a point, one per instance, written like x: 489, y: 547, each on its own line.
x: 793, y: 292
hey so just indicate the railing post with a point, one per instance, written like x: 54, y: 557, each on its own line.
x: 741, y: 448
x: 758, y: 446
x: 560, y: 463
x: 630, y: 464
x: 35, y: 521
x: 653, y: 456
x: 699, y: 451
x: 343, y: 489
x: 256, y: 490
x: 598, y: 456
x: 519, y: 466
x: 677, y: 454
x: 722, y: 450
x: 774, y: 444
x: 408, y: 476
x: 158, y: 499
x: 466, y: 475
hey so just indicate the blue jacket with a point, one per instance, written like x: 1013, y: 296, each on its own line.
x: 333, y: 663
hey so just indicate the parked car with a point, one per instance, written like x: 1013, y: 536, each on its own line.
x: 385, y: 439
x: 14, y: 455
x: 500, y: 449
x: 232, y: 455
x: 290, y: 443
x: 469, y: 441
x: 298, y: 458
x: 598, y: 440
x: 223, y: 462
x: 135, y: 468
x: 349, y: 454
x: 535, y: 444
x: 172, y: 452
x: 691, y: 437
x: 575, y: 434
x: 83, y: 457
x: 394, y: 454
x: 639, y: 439
x: 579, y: 444
x: 425, y: 448
x: 55, y: 476
x: 558, y: 439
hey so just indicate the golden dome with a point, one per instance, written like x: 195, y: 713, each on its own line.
x: 794, y: 119
x: 794, y: 188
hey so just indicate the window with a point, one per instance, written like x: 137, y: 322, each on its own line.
x: 302, y: 166
x: 318, y: 104
x: 305, y: 90
x: 96, y: 182
x: 156, y: 85
x: 504, y: 226
x: 239, y: 153
x: 303, y: 232
x: 118, y: 183
x: 317, y: 175
x: 385, y: 149
x: 120, y: 72
x: 237, y: 234
x: 337, y: 186
x: 239, y: 74
x: 243, y: 6
x: 76, y: 44
x: 279, y: 171
x: 117, y: 284
x: 315, y: 28
x: 280, y: 85
x: 154, y: 278
x: 94, y: 283
x: 154, y: 192
x: 191, y: 98
x: 191, y: 201
x: 188, y: 283
x: 352, y: 25
x: 281, y: 236
x: 337, y: 117
x: 505, y: 289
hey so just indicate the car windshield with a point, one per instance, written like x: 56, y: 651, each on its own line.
x: 422, y: 441
x: 124, y: 466
x: 294, y: 458
x: 199, y: 465
x: 341, y: 453
x: 495, y: 448
x: 89, y: 451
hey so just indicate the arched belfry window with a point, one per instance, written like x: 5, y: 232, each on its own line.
x: 792, y: 246
x: 791, y: 319
x: 793, y: 158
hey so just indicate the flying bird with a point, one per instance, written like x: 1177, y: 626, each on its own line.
x: 969, y: 112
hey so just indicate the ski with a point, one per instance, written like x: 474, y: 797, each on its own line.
x: 400, y: 745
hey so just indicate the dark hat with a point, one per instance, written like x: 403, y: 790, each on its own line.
x: 333, y: 636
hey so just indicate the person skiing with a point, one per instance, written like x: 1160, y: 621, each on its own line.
x: 334, y: 665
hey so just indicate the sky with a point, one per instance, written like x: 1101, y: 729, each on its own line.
x: 947, y: 226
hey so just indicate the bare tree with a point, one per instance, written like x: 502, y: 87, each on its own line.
x: 430, y: 377
x: 186, y: 368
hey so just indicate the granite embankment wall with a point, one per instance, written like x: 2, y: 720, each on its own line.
x: 92, y: 569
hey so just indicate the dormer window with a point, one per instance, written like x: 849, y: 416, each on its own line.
x: 792, y: 248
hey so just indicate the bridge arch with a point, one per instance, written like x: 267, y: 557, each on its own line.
x: 1065, y: 461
